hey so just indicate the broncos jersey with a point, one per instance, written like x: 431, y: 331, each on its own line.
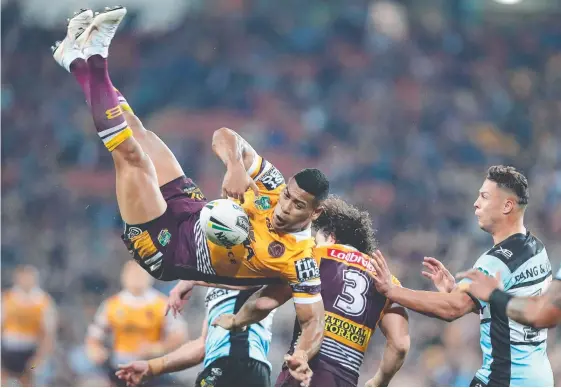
x: 514, y: 354
x: 353, y: 309
x: 266, y: 256
x: 253, y: 343
x: 133, y: 323
x: 25, y: 318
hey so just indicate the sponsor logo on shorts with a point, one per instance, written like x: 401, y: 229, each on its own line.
x: 262, y: 202
x: 351, y: 258
x: 306, y: 269
x: 164, y: 237
x: 350, y: 333
x: 276, y: 249
x: 272, y: 179
x: 243, y: 223
x: 133, y: 232
x: 193, y: 191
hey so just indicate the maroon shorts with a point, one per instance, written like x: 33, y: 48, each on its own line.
x: 166, y: 247
x: 322, y: 377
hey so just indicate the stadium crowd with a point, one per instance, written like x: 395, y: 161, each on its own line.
x: 404, y: 122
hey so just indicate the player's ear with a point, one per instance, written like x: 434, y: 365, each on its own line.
x: 317, y: 212
x: 508, y: 206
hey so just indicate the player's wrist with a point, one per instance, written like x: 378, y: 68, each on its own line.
x: 156, y: 366
x: 301, y: 354
x: 498, y: 300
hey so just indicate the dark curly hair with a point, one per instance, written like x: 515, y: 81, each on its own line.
x: 347, y: 224
x: 507, y: 177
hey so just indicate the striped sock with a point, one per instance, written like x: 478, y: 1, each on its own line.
x: 107, y: 113
x: 123, y: 101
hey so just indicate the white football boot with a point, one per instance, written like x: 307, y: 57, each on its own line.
x: 69, y: 49
x: 97, y: 37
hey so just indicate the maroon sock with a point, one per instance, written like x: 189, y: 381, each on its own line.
x: 107, y: 114
x: 81, y: 71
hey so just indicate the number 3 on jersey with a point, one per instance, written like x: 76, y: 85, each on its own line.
x: 352, y: 299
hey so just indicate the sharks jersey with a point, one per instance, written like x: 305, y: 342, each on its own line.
x: 514, y: 354
x: 558, y: 276
x: 252, y: 343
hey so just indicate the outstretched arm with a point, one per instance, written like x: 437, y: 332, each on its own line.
x: 441, y: 305
x: 256, y: 308
x: 537, y: 311
x: 395, y: 327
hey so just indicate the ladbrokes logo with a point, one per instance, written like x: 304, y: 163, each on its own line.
x: 351, y: 257
x: 348, y: 331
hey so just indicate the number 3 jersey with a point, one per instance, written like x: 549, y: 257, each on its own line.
x: 266, y: 257
x: 353, y: 309
x: 514, y: 354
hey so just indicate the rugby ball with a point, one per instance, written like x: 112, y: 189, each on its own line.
x: 224, y: 222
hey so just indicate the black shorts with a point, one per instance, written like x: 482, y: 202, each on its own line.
x: 15, y: 361
x: 235, y: 372
x: 477, y: 383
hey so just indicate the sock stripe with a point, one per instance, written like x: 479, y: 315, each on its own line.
x: 103, y: 134
x: 117, y: 139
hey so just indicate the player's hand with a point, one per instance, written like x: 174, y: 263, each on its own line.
x: 179, y: 296
x: 134, y: 373
x: 481, y: 286
x: 227, y: 322
x: 440, y: 276
x: 382, y: 276
x: 236, y: 182
x: 299, y: 369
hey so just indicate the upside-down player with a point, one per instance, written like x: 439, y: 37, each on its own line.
x: 134, y: 321
x: 29, y: 322
x: 353, y: 307
x: 230, y: 359
x: 513, y: 354
x: 160, y: 206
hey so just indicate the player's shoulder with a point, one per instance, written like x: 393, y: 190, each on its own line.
x: 516, y: 250
x: 267, y: 177
x: 347, y: 255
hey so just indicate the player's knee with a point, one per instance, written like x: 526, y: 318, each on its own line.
x: 130, y: 153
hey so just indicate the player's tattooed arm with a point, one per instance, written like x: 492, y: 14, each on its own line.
x: 540, y: 312
x: 238, y: 156
x: 231, y: 148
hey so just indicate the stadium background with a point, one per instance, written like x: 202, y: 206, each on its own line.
x: 402, y: 103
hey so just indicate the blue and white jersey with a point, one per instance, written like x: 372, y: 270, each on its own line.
x: 253, y: 343
x: 558, y: 276
x: 514, y: 354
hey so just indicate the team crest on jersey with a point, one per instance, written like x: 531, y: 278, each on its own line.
x: 262, y: 202
x: 276, y: 249
x: 164, y: 237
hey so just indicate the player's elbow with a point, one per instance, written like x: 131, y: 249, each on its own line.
x: 221, y: 134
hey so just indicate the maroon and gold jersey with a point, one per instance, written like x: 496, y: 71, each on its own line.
x: 353, y: 309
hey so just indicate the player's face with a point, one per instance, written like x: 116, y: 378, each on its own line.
x: 490, y: 205
x: 135, y: 279
x: 25, y: 279
x: 295, y: 210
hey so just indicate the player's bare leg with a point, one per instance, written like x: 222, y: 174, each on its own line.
x: 138, y: 193
x: 166, y: 165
